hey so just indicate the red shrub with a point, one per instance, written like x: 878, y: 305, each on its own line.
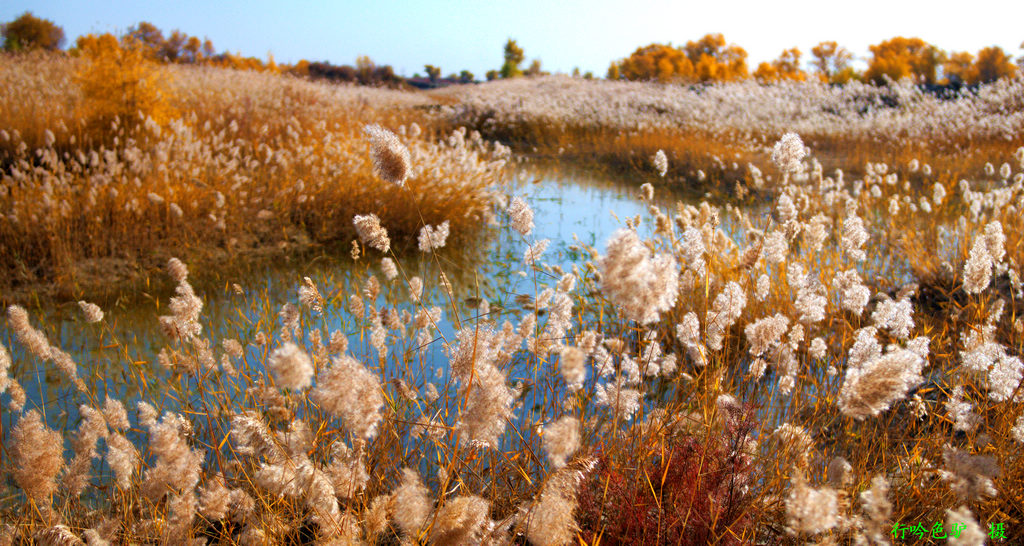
x: 691, y: 491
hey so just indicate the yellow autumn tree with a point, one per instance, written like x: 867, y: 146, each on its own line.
x: 900, y: 57
x: 993, y: 63
x: 959, y: 68
x: 655, y: 62
x: 118, y: 81
x: 786, y: 67
x: 705, y: 60
x: 715, y: 60
x: 832, y: 62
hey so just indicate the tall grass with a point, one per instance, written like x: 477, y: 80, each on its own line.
x: 249, y: 164
x: 844, y: 359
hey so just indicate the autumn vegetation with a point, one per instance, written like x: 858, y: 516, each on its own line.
x: 813, y: 334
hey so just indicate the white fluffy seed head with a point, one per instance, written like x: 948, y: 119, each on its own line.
x: 291, y: 366
x: 391, y: 160
x: 661, y: 163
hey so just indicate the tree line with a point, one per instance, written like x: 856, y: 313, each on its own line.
x: 712, y: 59
x: 709, y: 59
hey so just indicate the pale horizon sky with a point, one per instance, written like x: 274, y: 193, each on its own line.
x: 458, y: 35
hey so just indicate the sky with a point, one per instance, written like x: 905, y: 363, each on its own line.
x: 470, y: 34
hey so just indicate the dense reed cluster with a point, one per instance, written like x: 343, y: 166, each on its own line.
x: 712, y: 132
x: 233, y: 163
x: 837, y: 356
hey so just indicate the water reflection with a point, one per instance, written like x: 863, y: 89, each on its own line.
x: 118, y: 358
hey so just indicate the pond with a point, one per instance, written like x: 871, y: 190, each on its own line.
x: 118, y: 356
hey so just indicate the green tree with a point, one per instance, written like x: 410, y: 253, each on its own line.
x: 514, y: 56
x: 30, y: 32
x: 433, y: 72
x: 492, y: 75
x: 466, y: 77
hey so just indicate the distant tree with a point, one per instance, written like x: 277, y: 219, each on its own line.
x: 492, y: 75
x: 466, y: 77
x: 707, y: 59
x: 660, y: 62
x: 786, y: 67
x: 575, y: 71
x: 433, y: 72
x: 173, y: 47
x: 614, y: 71
x: 514, y: 56
x: 993, y: 63
x: 364, y: 69
x: 193, y: 50
x: 30, y: 32
x: 385, y: 75
x: 959, y: 68
x: 148, y: 36
x: 714, y: 60
x: 208, y: 50
x: 901, y: 57
x: 534, y: 69
x: 301, y: 68
x: 588, y: 75
x: 832, y: 62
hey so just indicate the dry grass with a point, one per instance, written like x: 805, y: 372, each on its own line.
x: 842, y: 358
x: 251, y: 164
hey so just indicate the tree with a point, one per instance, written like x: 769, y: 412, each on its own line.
x: 707, y: 59
x: 614, y: 72
x: 173, y: 47
x: 466, y: 77
x: 492, y: 75
x: 534, y: 69
x: 901, y: 57
x: 514, y: 56
x: 660, y: 62
x: 832, y: 62
x: 993, y: 63
x: 30, y: 32
x: 149, y: 36
x: 786, y: 67
x: 364, y: 69
x: 713, y: 60
x: 433, y: 72
x: 959, y: 68
x: 192, y: 52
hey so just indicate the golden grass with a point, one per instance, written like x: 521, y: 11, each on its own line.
x: 715, y: 451
x: 251, y: 163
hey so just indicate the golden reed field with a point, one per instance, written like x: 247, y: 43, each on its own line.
x: 811, y: 336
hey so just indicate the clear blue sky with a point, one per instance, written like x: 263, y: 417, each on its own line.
x: 470, y: 34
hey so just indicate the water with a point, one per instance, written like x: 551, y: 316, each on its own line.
x: 118, y: 357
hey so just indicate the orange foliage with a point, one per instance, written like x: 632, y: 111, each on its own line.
x: 993, y: 63
x: 786, y: 67
x: 705, y: 60
x: 118, y: 81
x: 900, y: 57
x: 832, y: 62
x: 959, y: 68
